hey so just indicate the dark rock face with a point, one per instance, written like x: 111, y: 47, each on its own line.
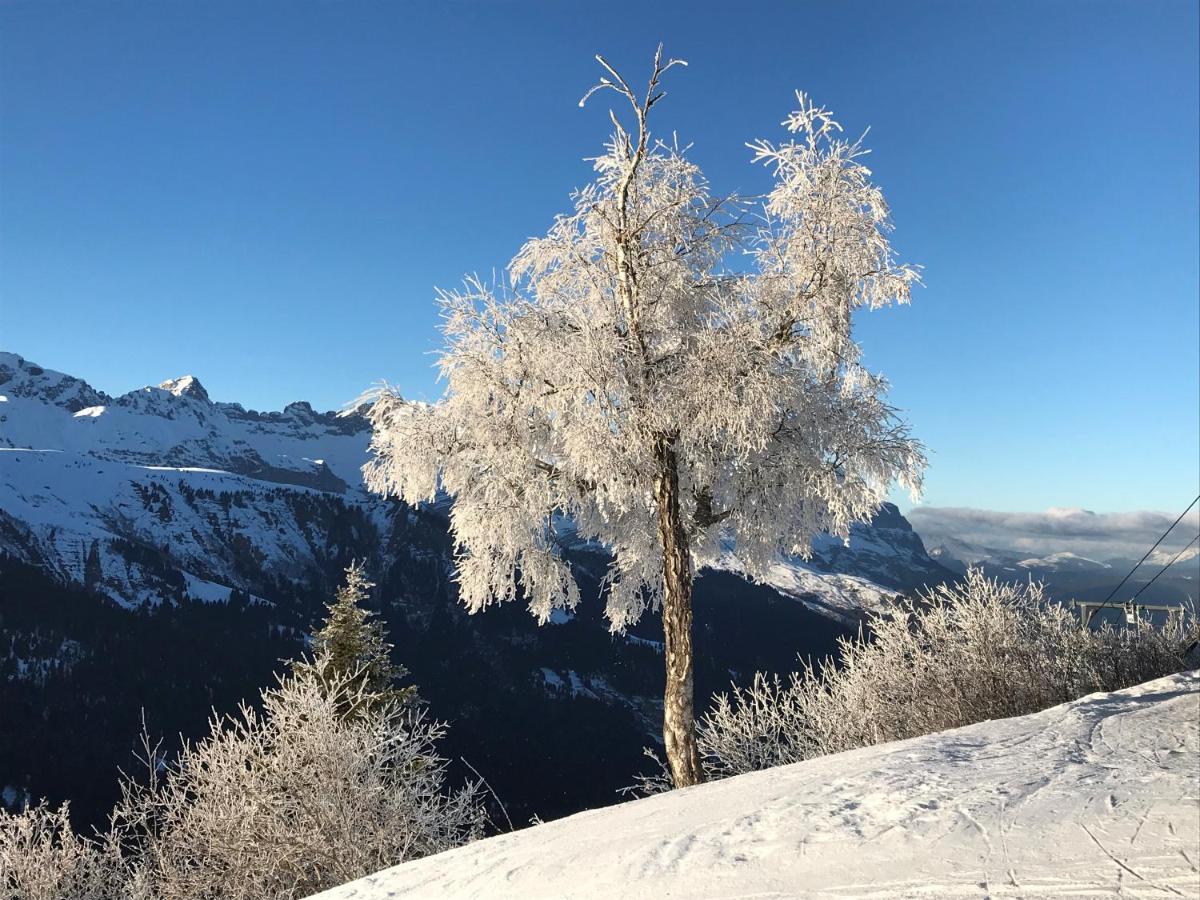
x: 887, y: 552
x: 20, y: 378
x: 321, y: 478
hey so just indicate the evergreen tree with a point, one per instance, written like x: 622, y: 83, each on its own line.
x: 92, y: 570
x: 352, y: 643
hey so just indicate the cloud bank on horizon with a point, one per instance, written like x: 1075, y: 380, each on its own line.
x: 1100, y: 536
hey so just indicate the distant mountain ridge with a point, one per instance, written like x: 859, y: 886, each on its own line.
x: 1068, y: 575
x: 84, y: 470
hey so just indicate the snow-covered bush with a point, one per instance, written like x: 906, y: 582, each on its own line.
x: 273, y: 804
x: 295, y: 799
x: 41, y: 858
x: 962, y: 653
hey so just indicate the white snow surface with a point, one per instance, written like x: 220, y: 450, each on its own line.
x: 1095, y: 798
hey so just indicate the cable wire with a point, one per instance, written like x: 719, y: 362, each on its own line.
x: 1143, y: 559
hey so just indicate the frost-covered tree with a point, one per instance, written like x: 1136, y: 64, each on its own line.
x: 352, y: 644
x: 633, y: 382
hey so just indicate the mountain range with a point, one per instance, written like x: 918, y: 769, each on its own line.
x: 87, y: 476
x: 1167, y: 578
x: 161, y: 553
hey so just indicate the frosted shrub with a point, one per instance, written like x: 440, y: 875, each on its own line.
x: 41, y: 858
x: 273, y: 804
x: 295, y: 799
x: 960, y: 654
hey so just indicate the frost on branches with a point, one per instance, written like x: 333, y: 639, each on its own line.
x: 962, y: 653
x: 276, y: 803
x: 629, y: 379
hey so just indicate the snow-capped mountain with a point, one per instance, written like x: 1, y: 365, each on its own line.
x: 177, y: 425
x: 228, y: 497
x: 222, y: 496
x: 1167, y: 557
x: 1070, y: 576
x: 881, y: 560
x: 1064, y: 562
x: 957, y: 554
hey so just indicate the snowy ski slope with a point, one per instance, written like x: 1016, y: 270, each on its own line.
x: 1095, y: 798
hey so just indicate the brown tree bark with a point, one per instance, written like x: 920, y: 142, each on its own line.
x: 679, y: 717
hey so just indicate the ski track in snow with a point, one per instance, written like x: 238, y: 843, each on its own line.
x: 1095, y: 798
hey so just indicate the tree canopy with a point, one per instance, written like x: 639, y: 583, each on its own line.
x: 668, y: 372
x: 560, y: 382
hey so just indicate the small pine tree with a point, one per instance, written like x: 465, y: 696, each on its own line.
x: 92, y: 570
x: 352, y: 643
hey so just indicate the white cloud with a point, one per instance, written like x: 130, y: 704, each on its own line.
x: 1126, y: 535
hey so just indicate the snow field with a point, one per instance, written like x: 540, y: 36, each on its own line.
x: 1095, y: 798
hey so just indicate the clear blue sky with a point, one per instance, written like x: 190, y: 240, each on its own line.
x: 265, y: 194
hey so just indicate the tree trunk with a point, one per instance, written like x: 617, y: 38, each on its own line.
x: 679, y: 718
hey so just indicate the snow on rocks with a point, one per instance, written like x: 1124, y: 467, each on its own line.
x: 1099, y: 797
x: 166, y: 471
x: 23, y: 379
x: 55, y: 506
x: 847, y: 598
x: 187, y: 386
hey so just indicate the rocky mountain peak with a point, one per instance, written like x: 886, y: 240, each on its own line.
x: 21, y: 378
x: 301, y: 411
x: 187, y: 386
